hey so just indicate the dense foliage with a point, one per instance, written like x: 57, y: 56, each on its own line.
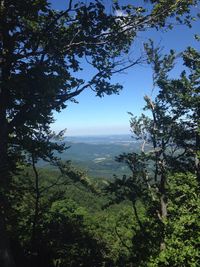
x: 61, y: 217
x: 74, y: 227
x: 166, y: 177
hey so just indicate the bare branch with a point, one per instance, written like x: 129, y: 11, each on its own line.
x: 138, y: 61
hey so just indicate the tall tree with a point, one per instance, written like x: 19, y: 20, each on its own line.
x: 169, y: 156
x: 41, y: 54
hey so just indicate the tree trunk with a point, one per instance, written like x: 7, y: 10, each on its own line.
x: 197, y: 154
x: 163, y: 207
x: 36, y: 211
x: 6, y: 259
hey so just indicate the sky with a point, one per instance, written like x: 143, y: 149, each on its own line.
x: 108, y: 115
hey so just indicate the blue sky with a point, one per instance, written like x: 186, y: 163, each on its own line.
x: 108, y: 115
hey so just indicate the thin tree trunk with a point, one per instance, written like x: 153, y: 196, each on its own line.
x: 137, y: 217
x: 34, y: 237
x: 197, y: 154
x: 163, y: 206
x: 36, y: 211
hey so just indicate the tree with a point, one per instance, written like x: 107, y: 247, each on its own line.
x: 169, y: 156
x: 41, y: 55
x: 182, y: 226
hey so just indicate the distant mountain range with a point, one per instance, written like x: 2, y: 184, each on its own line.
x: 101, y: 139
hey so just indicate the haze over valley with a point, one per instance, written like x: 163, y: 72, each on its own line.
x: 96, y: 154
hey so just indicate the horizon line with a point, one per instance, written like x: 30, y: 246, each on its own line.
x: 97, y: 135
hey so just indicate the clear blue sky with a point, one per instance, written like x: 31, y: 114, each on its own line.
x: 108, y: 115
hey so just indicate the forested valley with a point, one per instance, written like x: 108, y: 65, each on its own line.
x: 139, y: 208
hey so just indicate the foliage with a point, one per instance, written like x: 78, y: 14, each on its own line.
x: 72, y: 227
x: 182, y: 226
x: 165, y: 178
x: 44, y: 48
x: 43, y: 53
